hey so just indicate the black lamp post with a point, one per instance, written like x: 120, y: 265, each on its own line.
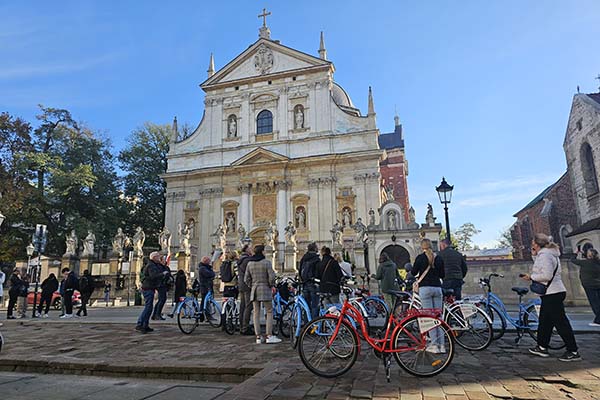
x: 445, y: 194
x: 39, y: 241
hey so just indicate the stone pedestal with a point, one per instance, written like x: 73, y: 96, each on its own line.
x: 359, y: 260
x: 337, y: 248
x: 85, y: 263
x: 271, y: 255
x: 183, y: 262
x: 291, y: 257
x: 134, y: 269
x: 114, y: 265
x: 71, y: 262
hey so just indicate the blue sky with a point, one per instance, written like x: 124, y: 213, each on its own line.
x: 483, y: 89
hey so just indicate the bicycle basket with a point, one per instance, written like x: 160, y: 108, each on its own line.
x: 284, y: 291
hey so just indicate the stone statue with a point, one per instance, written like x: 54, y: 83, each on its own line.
x: 371, y: 217
x: 270, y: 234
x: 347, y: 217
x: 230, y: 221
x: 290, y: 234
x: 392, y: 220
x: 429, y: 218
x: 138, y: 242
x: 389, y: 191
x: 241, y: 235
x: 336, y: 234
x: 299, y: 118
x: 184, y: 238
x: 221, y: 240
x: 300, y: 218
x: 71, y: 244
x: 118, y: 242
x: 232, y: 127
x: 361, y: 231
x: 164, y: 239
x: 88, y: 245
x: 411, y: 215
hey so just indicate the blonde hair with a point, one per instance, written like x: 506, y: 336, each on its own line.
x: 427, y: 249
x: 544, y: 240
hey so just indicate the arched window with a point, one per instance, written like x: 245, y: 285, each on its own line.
x: 590, y: 176
x: 264, y: 122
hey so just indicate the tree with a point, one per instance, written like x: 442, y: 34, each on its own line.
x: 505, y: 239
x: 144, y: 160
x: 452, y: 237
x: 464, y: 236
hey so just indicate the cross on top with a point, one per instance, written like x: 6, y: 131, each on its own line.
x: 264, y: 16
x: 598, y: 77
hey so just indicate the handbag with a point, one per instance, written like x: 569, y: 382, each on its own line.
x: 538, y: 287
x: 415, y: 286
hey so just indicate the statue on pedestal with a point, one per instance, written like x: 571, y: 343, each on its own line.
x: 241, y: 235
x: 71, y: 244
x: 347, y: 217
x: 270, y: 234
x: 184, y: 238
x: 300, y: 218
x: 118, y: 242
x: 164, y: 239
x: 429, y: 218
x: 220, y: 237
x: 371, y: 217
x: 290, y: 234
x: 88, y: 245
x: 336, y: 234
x: 361, y: 231
x: 230, y: 222
x: 138, y: 242
x: 392, y: 221
x: 411, y: 215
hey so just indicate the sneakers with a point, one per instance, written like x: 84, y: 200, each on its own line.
x: 11, y: 317
x: 594, y: 324
x: 435, y: 349
x: 67, y: 316
x: 273, y: 339
x: 170, y: 315
x: 570, y: 356
x: 259, y: 340
x: 539, y: 351
x: 38, y: 315
x: 45, y: 316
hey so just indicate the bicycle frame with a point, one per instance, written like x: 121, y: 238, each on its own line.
x: 493, y: 300
x: 448, y: 309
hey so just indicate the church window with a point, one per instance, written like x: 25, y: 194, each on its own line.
x: 270, y: 82
x: 293, y: 78
x: 237, y: 88
x: 590, y: 175
x: 264, y: 122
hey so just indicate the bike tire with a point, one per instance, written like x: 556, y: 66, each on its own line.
x: 212, y: 314
x: 556, y: 342
x: 498, y: 321
x: 284, y: 320
x: 415, y: 343
x: 187, y: 320
x: 229, y: 322
x: 476, y: 332
x: 297, y: 320
x: 1, y: 341
x: 313, y: 347
x: 377, y: 309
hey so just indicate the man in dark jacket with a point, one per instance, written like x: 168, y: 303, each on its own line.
x: 16, y: 285
x: 245, y: 302
x: 49, y: 286
x: 162, y: 290
x: 70, y: 285
x: 152, y: 275
x: 206, y: 276
x: 308, y: 273
x: 330, y: 274
x: 455, y: 268
x: 86, y: 288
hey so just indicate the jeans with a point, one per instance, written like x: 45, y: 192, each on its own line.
x: 85, y: 297
x: 245, y: 310
x: 593, y: 296
x: 68, y: 301
x: 45, y: 300
x: 12, y: 301
x: 309, y: 291
x: 144, y: 319
x: 431, y: 297
x: 552, y: 315
x: 162, y: 299
x: 268, y: 305
x: 454, y: 284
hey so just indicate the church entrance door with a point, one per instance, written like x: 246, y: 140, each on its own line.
x: 398, y: 254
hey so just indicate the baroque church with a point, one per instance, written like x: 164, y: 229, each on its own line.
x: 281, y: 144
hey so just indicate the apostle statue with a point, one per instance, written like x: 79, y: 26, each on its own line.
x: 71, y: 244
x: 347, y: 217
x: 220, y: 237
x: 232, y: 127
x: 164, y: 239
x: 139, y: 237
x: 389, y: 192
x: 230, y: 221
x: 241, y: 235
x: 118, y: 242
x: 411, y: 215
x: 371, y: 217
x: 270, y: 234
x: 392, y: 220
x: 290, y: 234
x: 429, y: 218
x: 88, y: 245
x: 361, y: 231
x: 299, y: 118
x: 300, y: 218
x: 336, y: 234
x: 184, y: 238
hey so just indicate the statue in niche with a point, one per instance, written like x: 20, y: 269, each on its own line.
x: 299, y: 117
x: 71, y: 244
x: 371, y: 217
x: 138, y: 242
x: 290, y: 234
x: 336, y: 234
x: 230, y: 221
x: 221, y: 240
x: 119, y: 242
x: 429, y: 218
x: 164, y: 239
x: 347, y: 217
x: 270, y: 234
x: 184, y: 231
x: 389, y: 191
x: 88, y: 245
x: 392, y: 220
x: 300, y: 218
x: 411, y: 215
x: 232, y: 126
x: 241, y: 235
x: 361, y: 230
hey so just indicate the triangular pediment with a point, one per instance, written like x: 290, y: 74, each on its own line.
x: 264, y: 57
x: 259, y: 156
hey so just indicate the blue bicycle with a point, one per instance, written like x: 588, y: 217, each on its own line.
x: 527, y: 320
x: 282, y: 305
x: 190, y: 313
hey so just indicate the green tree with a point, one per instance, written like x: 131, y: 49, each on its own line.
x: 464, y: 236
x: 144, y: 160
x: 505, y: 239
x: 452, y: 237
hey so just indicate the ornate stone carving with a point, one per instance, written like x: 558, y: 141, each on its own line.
x: 429, y: 218
x: 88, y: 245
x: 164, y: 240
x: 323, y: 181
x: 361, y: 231
x: 245, y: 188
x: 367, y: 176
x: 392, y: 220
x: 241, y: 235
x: 290, y: 234
x: 138, y: 242
x: 270, y: 234
x: 211, y: 192
x: 263, y: 60
x: 71, y: 244
x: 175, y: 195
x: 264, y: 208
x: 230, y: 222
x: 371, y: 217
x: 336, y: 234
x: 232, y: 126
x: 220, y: 238
x: 119, y: 242
x: 346, y: 217
x: 298, y: 117
x: 411, y: 215
x: 184, y: 231
x: 300, y: 217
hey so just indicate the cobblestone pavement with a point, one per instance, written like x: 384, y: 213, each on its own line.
x: 503, y: 371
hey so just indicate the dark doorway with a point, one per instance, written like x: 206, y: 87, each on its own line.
x: 398, y: 254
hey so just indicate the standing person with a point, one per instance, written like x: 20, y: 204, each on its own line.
x: 107, y: 287
x: 228, y: 273
x: 23, y: 294
x: 16, y: 286
x: 260, y: 276
x: 162, y: 290
x: 330, y: 274
x: 308, y: 273
x: 344, y: 265
x: 152, y: 276
x: 430, y: 270
x: 206, y: 277
x: 86, y: 288
x: 180, y: 289
x: 546, y: 270
x: 455, y: 268
x: 49, y: 286
x: 69, y: 286
x: 2, y: 280
x: 589, y: 274
x: 387, y: 274
x: 245, y: 302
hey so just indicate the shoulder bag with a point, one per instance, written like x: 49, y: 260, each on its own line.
x: 538, y: 287
x: 416, y: 284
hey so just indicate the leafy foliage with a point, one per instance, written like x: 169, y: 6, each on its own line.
x: 464, y: 236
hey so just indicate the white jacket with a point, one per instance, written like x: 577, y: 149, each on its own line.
x: 543, y: 267
x: 2, y: 279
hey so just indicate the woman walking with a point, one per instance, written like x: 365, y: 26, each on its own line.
x: 49, y: 286
x: 546, y: 270
x: 430, y: 270
x: 260, y: 277
x: 16, y: 286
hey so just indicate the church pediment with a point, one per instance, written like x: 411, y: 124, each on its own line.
x: 264, y: 57
x: 259, y: 156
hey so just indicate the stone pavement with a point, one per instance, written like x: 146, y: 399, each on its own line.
x: 252, y: 371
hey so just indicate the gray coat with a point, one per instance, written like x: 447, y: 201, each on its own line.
x: 261, y: 278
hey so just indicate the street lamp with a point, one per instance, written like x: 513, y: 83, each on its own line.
x: 39, y: 239
x: 30, y: 249
x: 445, y: 195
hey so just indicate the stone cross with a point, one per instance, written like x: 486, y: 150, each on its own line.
x: 264, y: 16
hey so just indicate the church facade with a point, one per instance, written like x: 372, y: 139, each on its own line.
x: 281, y: 143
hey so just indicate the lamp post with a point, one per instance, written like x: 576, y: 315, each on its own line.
x: 445, y: 195
x: 39, y: 241
x: 30, y: 249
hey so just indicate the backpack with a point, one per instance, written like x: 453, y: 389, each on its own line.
x: 84, y: 284
x: 226, y: 272
x: 307, y: 270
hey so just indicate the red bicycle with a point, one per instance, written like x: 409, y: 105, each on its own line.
x: 420, y: 341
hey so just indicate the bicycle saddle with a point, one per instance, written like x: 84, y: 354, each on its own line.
x: 520, y: 290
x: 447, y: 292
x: 324, y: 294
x: 399, y: 294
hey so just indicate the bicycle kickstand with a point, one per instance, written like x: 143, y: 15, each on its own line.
x: 387, y: 363
x: 519, y: 336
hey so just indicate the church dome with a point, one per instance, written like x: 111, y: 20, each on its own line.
x: 340, y: 96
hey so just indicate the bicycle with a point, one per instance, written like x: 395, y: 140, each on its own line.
x: 527, y: 319
x: 281, y: 305
x: 328, y: 346
x: 190, y: 313
x: 1, y: 341
x: 230, y: 315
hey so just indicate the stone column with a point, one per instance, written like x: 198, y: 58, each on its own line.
x: 359, y: 259
x: 134, y: 269
x: 244, y: 216
x: 115, y: 263
x: 291, y: 257
x: 183, y: 262
x: 271, y: 255
x: 282, y: 217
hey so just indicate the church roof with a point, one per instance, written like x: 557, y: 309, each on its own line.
x: 539, y: 197
x: 595, y: 97
x: 591, y: 225
x: 391, y: 140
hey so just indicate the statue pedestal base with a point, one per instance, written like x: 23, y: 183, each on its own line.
x: 271, y: 255
x: 85, y: 263
x: 114, y: 265
x: 134, y: 270
x: 359, y: 260
x: 337, y: 248
x: 183, y: 262
x: 291, y: 257
x: 71, y: 262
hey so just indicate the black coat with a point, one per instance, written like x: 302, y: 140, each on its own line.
x: 435, y: 273
x: 205, y: 277
x: 152, y: 276
x: 71, y: 283
x: 15, y: 285
x: 49, y: 286
x: 180, y: 286
x: 330, y: 274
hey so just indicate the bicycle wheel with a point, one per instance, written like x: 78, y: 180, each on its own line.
x: 1, y: 341
x: 187, y: 317
x: 420, y: 348
x: 498, y: 320
x: 230, y: 320
x: 318, y: 356
x: 212, y: 312
x: 298, y: 319
x: 377, y: 310
x: 531, y: 321
x: 471, y: 326
x: 285, y: 320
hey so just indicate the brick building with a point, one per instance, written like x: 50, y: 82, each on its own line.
x: 552, y: 212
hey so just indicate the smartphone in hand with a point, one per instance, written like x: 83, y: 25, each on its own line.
x: 521, y: 275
